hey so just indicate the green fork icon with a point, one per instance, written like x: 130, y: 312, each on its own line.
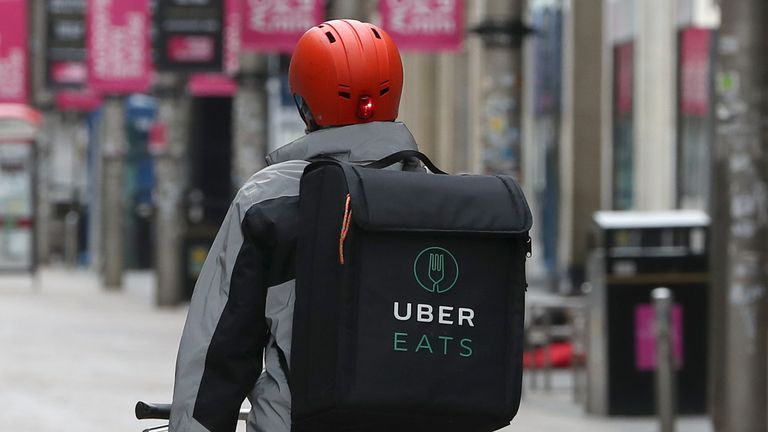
x: 436, y: 270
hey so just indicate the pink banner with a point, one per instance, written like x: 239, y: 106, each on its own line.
x: 645, y: 337
x: 425, y: 25
x: 78, y: 100
x: 276, y: 25
x: 233, y: 20
x: 695, y: 71
x: 119, y: 59
x: 13, y: 52
x: 211, y: 84
x: 624, y: 75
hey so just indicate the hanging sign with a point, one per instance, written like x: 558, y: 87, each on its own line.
x: 222, y: 84
x: 119, y: 60
x: 276, y: 25
x: 695, y: 47
x: 13, y: 51
x: 424, y: 25
x: 65, y: 43
x: 189, y: 35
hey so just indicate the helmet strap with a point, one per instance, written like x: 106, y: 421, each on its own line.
x: 306, y: 114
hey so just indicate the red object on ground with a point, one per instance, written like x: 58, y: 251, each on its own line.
x: 561, y: 356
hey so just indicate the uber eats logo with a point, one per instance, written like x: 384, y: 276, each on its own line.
x: 435, y: 270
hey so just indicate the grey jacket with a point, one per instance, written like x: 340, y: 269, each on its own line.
x: 242, y: 308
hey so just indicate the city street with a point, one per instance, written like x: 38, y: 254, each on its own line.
x: 74, y: 357
x: 616, y: 165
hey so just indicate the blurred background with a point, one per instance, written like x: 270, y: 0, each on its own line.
x: 636, y: 128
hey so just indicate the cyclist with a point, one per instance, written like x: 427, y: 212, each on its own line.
x: 346, y: 77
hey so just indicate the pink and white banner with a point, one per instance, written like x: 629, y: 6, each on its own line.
x: 276, y: 25
x: 13, y: 52
x: 424, y: 25
x: 72, y: 73
x: 119, y: 57
x: 191, y: 49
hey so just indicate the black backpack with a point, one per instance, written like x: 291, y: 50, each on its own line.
x: 410, y: 291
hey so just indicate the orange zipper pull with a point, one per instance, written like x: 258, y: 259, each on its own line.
x: 344, y: 228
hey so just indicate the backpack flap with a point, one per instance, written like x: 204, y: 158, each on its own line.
x: 385, y: 200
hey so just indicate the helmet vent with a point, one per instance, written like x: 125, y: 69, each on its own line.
x: 383, y: 91
x: 345, y: 95
x: 330, y: 37
x: 375, y: 33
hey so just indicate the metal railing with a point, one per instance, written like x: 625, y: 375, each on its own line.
x: 541, y: 331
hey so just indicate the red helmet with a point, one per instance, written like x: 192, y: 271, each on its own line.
x: 345, y: 72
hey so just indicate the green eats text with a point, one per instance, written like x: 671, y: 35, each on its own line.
x: 440, y: 345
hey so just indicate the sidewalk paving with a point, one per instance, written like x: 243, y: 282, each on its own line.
x: 556, y: 412
x: 75, y: 357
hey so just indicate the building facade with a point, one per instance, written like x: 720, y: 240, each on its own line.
x: 618, y: 116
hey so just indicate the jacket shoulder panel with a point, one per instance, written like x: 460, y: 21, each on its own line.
x: 275, y: 181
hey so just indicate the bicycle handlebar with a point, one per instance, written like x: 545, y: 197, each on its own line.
x: 146, y: 410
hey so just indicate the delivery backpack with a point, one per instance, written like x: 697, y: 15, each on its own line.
x: 410, y: 291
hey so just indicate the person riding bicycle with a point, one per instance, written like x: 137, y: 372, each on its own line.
x: 346, y: 77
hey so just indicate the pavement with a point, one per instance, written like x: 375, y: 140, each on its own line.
x: 76, y: 357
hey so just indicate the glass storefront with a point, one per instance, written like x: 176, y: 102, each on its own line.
x: 547, y: 18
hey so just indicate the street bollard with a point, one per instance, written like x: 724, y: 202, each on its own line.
x: 533, y: 334
x: 546, y: 352
x: 665, y: 362
x: 577, y: 352
x: 530, y: 349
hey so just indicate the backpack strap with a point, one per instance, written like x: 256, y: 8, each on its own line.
x: 403, y: 155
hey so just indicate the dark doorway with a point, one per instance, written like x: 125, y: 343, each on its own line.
x: 210, y: 186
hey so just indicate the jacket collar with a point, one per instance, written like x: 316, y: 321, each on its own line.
x: 357, y: 143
